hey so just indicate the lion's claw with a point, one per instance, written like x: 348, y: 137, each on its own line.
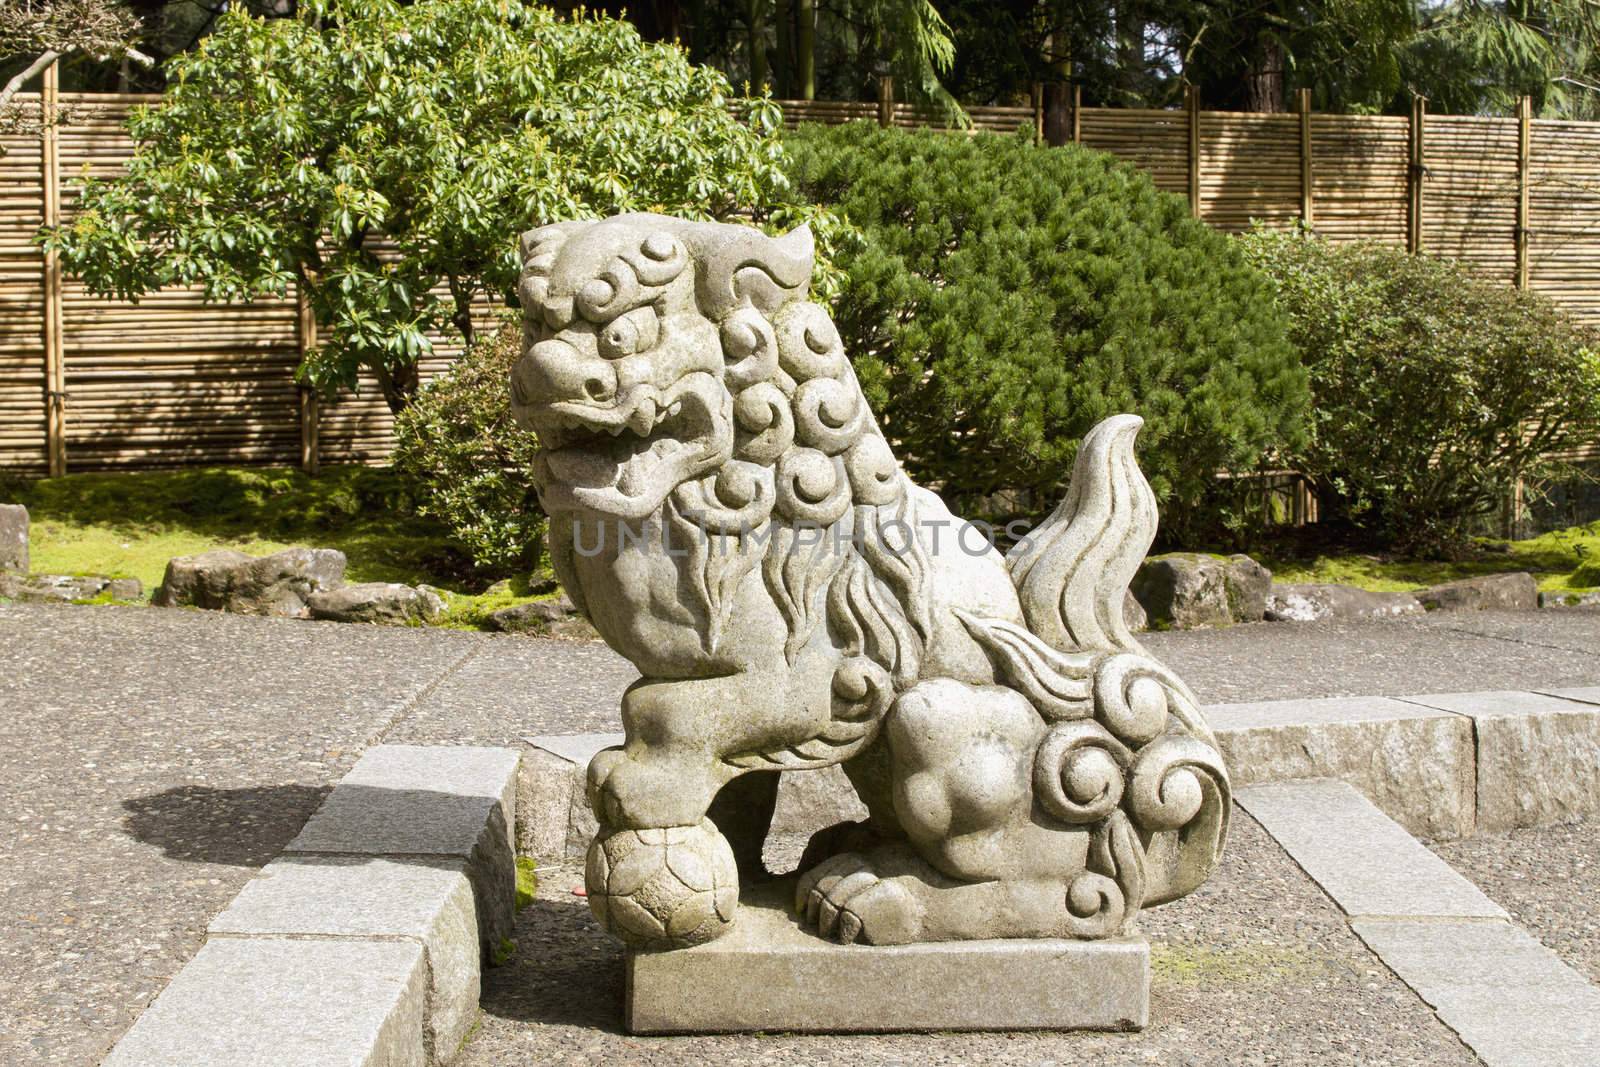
x: 847, y: 900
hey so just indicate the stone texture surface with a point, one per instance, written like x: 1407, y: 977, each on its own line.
x: 554, y: 821
x: 427, y: 902
x: 1547, y: 878
x: 1415, y: 763
x: 225, y: 580
x: 1538, y: 756
x: 1511, y: 999
x: 14, y: 538
x: 1255, y: 967
x: 1183, y: 591
x: 406, y: 800
x: 153, y: 760
x: 770, y: 975
x: 1313, y: 602
x: 1247, y: 584
x: 51, y: 588
x: 302, y: 1002
x: 389, y: 603
x: 125, y: 589
x: 534, y: 617
x: 1362, y: 859
x: 1505, y: 592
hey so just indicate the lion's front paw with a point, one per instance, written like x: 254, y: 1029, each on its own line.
x: 848, y: 898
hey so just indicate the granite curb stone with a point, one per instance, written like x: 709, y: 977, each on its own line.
x: 311, y: 1003
x: 428, y: 902
x: 1360, y: 857
x: 1415, y: 763
x: 1538, y: 755
x: 436, y: 801
x: 1511, y: 999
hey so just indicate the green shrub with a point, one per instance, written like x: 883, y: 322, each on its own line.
x: 1433, y: 391
x: 1006, y: 297
x: 467, y: 462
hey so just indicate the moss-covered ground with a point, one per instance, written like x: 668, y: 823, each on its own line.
x: 1561, y: 561
x: 130, y: 525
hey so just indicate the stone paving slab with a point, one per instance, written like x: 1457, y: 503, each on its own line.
x: 1417, y: 764
x: 423, y: 901
x: 1511, y: 999
x: 313, y: 1004
x: 1547, y: 878
x: 1538, y: 755
x: 1360, y: 857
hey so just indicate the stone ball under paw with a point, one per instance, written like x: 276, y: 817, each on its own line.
x: 663, y: 888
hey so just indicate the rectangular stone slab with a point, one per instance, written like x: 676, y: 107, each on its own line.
x: 769, y: 974
x: 1361, y: 858
x: 1510, y: 998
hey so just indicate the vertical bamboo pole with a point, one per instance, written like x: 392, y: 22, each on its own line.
x: 310, y: 408
x: 1191, y: 104
x: 1037, y: 97
x: 1524, y: 159
x: 1416, y: 173
x: 1303, y: 105
x: 54, y: 351
x: 1077, y: 111
x: 886, y: 100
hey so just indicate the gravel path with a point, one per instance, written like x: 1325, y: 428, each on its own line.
x: 153, y: 759
x: 1548, y: 879
x: 1257, y: 967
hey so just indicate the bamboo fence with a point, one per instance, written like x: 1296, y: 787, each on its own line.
x: 96, y: 384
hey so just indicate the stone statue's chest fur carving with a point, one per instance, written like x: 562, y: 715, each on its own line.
x: 728, y: 511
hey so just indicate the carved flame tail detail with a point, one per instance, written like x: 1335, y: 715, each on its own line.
x: 1072, y: 572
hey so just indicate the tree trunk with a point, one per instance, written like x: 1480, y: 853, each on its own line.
x: 398, y: 385
x: 755, y: 47
x: 1264, y: 80
x: 783, y: 53
x: 805, y: 47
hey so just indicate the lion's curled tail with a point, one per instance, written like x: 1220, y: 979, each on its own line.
x: 1072, y: 572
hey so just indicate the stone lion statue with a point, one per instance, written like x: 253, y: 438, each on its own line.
x: 727, y: 511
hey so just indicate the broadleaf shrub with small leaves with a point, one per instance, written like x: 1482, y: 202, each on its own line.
x: 1433, y: 391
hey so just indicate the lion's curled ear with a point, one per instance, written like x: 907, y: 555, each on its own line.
x: 740, y: 265
x: 539, y: 248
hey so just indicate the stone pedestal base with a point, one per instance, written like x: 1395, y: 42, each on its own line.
x: 769, y: 974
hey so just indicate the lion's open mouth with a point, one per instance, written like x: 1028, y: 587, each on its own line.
x: 626, y: 457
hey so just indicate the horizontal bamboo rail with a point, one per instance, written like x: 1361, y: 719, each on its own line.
x: 93, y: 384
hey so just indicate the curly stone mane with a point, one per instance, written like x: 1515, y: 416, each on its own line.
x: 811, y: 491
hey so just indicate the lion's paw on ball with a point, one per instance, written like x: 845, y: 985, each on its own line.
x: 663, y: 888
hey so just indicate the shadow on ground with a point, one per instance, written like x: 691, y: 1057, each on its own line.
x: 238, y: 827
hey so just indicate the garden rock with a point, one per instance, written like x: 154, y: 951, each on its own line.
x: 51, y: 588
x: 125, y: 589
x: 1133, y: 614
x: 1313, y: 602
x: 225, y: 580
x: 1185, y: 590
x: 536, y: 616
x: 1504, y: 592
x: 13, y: 538
x: 1569, y: 600
x: 389, y: 603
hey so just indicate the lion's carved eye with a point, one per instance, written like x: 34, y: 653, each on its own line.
x: 629, y: 334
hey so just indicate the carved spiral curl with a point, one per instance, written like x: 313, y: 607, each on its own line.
x: 808, y: 343
x: 829, y: 414
x: 1111, y: 888
x: 874, y: 474
x: 660, y: 259
x: 1079, y: 772
x: 1130, y: 697
x: 812, y: 487
x: 750, y: 349
x: 1173, y: 779
x: 735, y: 500
x: 766, y: 423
